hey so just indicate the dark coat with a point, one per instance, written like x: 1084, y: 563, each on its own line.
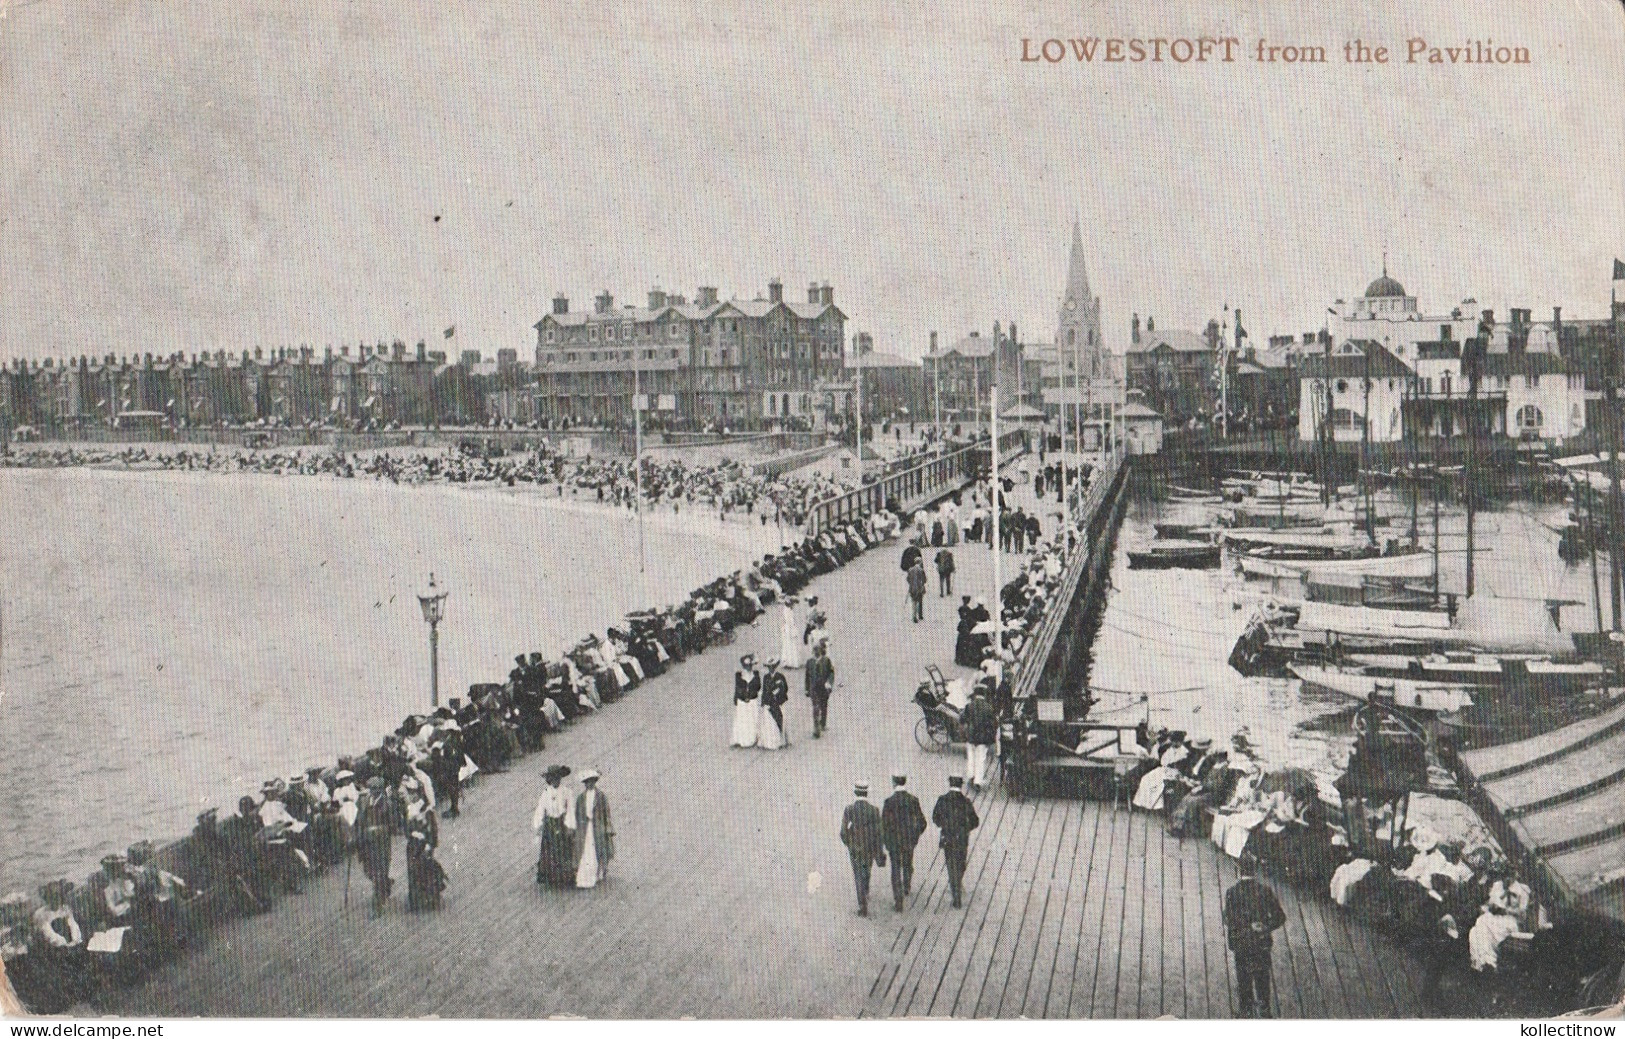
x: 775, y: 689
x: 861, y: 832
x: 981, y: 724
x: 955, y: 816
x: 1251, y: 902
x: 945, y: 562
x: 911, y: 556
x: 902, y: 821
x: 916, y: 582
x: 820, y: 676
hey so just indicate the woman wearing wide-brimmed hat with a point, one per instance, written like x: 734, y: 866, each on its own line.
x: 747, y: 701
x: 555, y: 860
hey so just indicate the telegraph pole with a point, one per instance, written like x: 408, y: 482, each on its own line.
x: 637, y: 461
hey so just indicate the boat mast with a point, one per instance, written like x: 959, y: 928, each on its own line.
x: 1409, y: 431
x: 1472, y: 357
x: 1365, y: 449
x: 1326, y: 432
x: 1589, y: 531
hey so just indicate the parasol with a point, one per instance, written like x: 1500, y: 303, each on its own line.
x: 984, y: 628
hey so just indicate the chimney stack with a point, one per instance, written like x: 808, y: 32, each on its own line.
x: 933, y: 342
x: 707, y: 296
x: 422, y: 350
x: 827, y: 295
x: 812, y: 293
x: 1150, y: 323
x: 1557, y: 317
x: 775, y: 291
x: 561, y: 304
x: 657, y: 299
x: 603, y: 303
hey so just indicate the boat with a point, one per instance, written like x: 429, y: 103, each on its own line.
x: 1405, y: 692
x: 1186, y: 531
x: 1362, y: 620
x: 1299, y: 544
x: 1192, y: 494
x: 1407, y: 563
x: 1512, y: 671
x: 1171, y: 555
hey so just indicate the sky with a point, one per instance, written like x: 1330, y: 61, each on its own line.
x: 202, y: 176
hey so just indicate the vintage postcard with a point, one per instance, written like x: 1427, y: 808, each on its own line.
x: 813, y: 511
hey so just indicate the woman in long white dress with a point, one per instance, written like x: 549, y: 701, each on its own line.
x: 747, y: 702
x: 789, y: 637
x: 775, y: 693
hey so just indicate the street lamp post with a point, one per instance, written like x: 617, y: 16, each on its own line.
x: 434, y: 608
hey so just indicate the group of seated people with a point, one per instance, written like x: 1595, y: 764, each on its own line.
x: 1460, y: 910
x: 136, y: 911
x: 1454, y: 909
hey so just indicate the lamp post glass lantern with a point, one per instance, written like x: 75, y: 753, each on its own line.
x: 434, y: 608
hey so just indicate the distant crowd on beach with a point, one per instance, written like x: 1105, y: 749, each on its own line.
x: 727, y: 488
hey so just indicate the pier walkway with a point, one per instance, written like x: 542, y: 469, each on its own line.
x: 730, y: 895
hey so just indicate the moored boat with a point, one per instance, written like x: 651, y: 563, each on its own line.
x: 1170, y: 555
x: 1406, y: 692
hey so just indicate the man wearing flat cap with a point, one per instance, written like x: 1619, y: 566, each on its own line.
x: 955, y: 817
x: 861, y: 832
x: 902, y: 822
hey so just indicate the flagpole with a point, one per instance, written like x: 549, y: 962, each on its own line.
x: 637, y: 463
x: 998, y: 519
x: 1616, y: 511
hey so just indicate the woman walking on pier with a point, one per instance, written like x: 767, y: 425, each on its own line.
x: 555, y: 861
x: 594, y: 835
x: 747, y: 702
x: 789, y: 644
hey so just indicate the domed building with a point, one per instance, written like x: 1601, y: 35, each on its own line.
x: 1384, y: 298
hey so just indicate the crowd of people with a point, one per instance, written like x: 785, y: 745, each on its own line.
x: 140, y: 908
x: 1462, y: 910
x: 728, y: 488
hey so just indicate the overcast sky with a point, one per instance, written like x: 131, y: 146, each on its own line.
x: 218, y: 176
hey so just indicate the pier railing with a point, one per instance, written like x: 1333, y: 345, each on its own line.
x: 1064, y: 616
x: 913, y: 487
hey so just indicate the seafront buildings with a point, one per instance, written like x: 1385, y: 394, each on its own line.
x: 783, y: 361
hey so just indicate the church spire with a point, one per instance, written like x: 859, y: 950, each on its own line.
x: 1077, y: 278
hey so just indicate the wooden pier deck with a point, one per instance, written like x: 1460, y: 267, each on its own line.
x: 731, y: 896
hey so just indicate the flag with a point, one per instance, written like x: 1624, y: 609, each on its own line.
x: 1619, y: 271
x: 448, y: 333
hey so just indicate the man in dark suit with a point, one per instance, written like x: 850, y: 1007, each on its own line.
x: 1252, y: 915
x: 901, y: 823
x: 865, y: 845
x: 956, y: 817
x: 820, y: 679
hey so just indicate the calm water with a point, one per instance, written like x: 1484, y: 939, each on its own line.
x: 1166, y: 634
x: 171, y: 640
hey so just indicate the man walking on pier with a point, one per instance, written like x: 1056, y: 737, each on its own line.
x: 820, y: 679
x: 916, y: 589
x: 901, y: 822
x: 1252, y: 915
x: 945, y: 574
x: 861, y: 832
x: 955, y: 817
x: 981, y: 727
x: 376, y: 821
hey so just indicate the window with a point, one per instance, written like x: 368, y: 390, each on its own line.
x: 1529, y: 417
x: 550, y: 335
x: 1342, y: 386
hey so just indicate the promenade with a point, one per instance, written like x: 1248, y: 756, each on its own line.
x: 730, y: 895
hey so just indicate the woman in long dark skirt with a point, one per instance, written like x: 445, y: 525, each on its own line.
x: 555, y: 861
x: 425, y: 878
